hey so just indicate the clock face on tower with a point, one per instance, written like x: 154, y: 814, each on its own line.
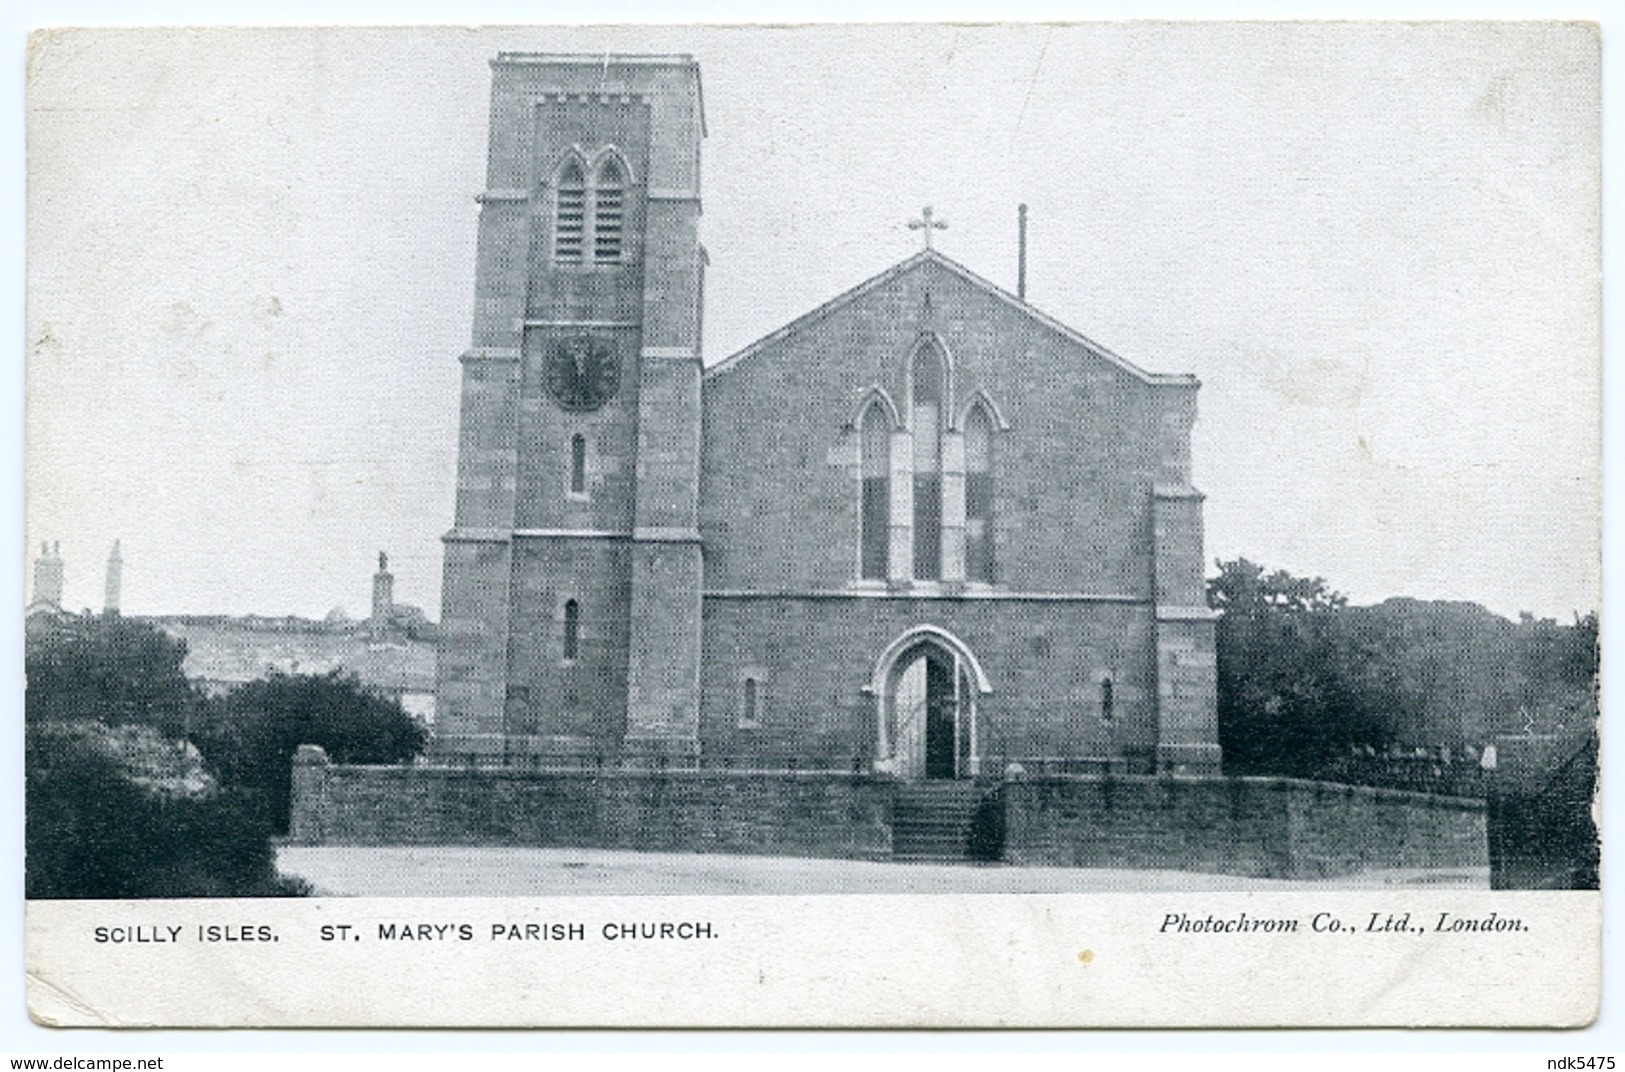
x: 583, y: 372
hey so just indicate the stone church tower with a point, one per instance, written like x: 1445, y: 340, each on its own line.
x: 575, y: 540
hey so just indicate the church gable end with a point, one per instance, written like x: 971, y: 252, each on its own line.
x: 940, y: 456
x: 1079, y: 437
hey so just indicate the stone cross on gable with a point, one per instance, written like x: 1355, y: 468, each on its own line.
x: 927, y: 224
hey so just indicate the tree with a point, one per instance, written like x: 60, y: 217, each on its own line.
x: 1243, y: 587
x: 108, y: 668
x: 1557, y: 675
x: 117, y: 802
x: 1306, y: 682
x: 256, y: 728
x: 1289, y: 695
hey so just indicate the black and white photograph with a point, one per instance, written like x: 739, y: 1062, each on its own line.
x: 577, y: 490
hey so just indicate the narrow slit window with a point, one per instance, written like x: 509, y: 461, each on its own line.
x: 609, y: 200
x: 578, y: 464
x: 750, y: 702
x: 876, y: 507
x: 1107, y: 700
x: 570, y: 216
x: 979, y: 496
x: 572, y: 629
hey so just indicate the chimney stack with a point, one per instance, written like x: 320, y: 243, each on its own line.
x: 115, y: 581
x: 47, y: 579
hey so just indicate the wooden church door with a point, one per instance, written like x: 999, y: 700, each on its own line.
x: 925, y: 705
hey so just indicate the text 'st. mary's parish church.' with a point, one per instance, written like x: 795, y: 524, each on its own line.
x: 924, y: 530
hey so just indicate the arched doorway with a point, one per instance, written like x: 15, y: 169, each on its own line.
x: 925, y: 687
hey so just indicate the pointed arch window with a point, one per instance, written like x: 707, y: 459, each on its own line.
x: 876, y: 516
x: 609, y: 199
x: 578, y: 464
x: 979, y: 496
x: 570, y: 215
x: 572, y: 629
x: 926, y: 421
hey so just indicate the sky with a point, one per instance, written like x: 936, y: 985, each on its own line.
x: 250, y: 275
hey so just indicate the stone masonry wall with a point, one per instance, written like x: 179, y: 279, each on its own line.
x: 1389, y: 828
x: 810, y: 814
x: 1263, y: 827
x: 1259, y: 827
x: 813, y: 658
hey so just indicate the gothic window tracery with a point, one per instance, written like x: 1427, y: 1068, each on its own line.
x: 589, y: 210
x: 945, y: 524
x: 926, y: 424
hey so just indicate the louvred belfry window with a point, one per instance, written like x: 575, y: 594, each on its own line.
x: 570, y: 216
x: 609, y: 200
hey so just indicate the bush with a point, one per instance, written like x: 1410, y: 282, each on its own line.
x: 93, y: 832
x: 118, y: 803
x: 256, y: 728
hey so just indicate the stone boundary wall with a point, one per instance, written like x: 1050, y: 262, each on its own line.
x: 820, y: 814
x: 1260, y: 827
x: 1257, y: 827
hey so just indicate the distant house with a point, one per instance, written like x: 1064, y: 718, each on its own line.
x: 392, y: 652
x: 224, y: 652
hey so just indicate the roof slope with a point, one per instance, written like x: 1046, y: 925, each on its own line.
x: 931, y: 256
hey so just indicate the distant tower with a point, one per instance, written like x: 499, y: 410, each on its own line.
x: 47, y: 579
x: 383, y: 597
x: 115, y: 580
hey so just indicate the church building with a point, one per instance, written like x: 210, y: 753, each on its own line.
x: 924, y: 530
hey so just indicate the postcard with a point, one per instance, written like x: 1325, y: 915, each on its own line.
x: 861, y: 526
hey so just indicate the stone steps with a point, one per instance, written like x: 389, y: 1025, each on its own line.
x: 932, y: 820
